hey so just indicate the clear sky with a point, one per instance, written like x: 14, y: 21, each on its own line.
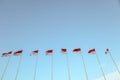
x: 56, y: 24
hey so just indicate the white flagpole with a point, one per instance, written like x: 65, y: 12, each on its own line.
x: 84, y: 67
x: 69, y: 77
x: 5, y: 68
x: 100, y: 66
x: 52, y: 67
x: 18, y: 67
x: 36, y: 67
x: 114, y: 63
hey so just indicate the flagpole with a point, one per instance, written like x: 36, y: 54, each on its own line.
x: 6, y: 67
x: 36, y: 66
x: 100, y: 66
x: 84, y: 67
x: 52, y: 67
x: 18, y: 67
x: 69, y: 78
x: 114, y: 63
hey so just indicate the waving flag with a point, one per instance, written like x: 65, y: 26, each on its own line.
x: 63, y: 50
x: 77, y: 50
x: 92, y: 51
x: 7, y: 54
x: 17, y: 53
x: 35, y: 52
x: 107, y: 51
x: 49, y: 52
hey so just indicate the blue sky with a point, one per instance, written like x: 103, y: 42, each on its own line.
x: 56, y: 24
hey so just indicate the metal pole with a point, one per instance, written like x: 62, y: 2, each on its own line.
x: 51, y: 67
x: 84, y: 67
x: 69, y: 78
x: 100, y: 66
x: 36, y: 67
x: 18, y: 67
x: 114, y: 63
x: 5, y: 68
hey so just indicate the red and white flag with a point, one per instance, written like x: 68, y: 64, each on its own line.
x: 92, y: 51
x: 77, y: 50
x: 7, y: 54
x: 17, y: 53
x: 49, y: 52
x: 64, y: 50
x: 35, y: 52
x: 107, y: 51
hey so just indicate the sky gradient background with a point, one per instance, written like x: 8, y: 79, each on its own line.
x: 56, y: 24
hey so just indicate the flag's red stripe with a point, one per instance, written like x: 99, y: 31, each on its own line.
x: 64, y: 50
x: 18, y: 52
x: 36, y: 51
x: 49, y: 51
x: 77, y: 50
x: 91, y: 51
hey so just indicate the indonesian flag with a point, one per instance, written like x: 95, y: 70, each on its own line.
x: 92, y: 51
x: 77, y: 50
x: 107, y: 51
x: 63, y: 50
x: 49, y: 52
x: 35, y: 52
x: 17, y: 53
x: 7, y: 54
